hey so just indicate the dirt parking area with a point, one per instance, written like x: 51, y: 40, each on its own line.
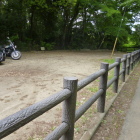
x: 38, y: 75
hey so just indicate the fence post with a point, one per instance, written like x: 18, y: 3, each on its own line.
x: 139, y: 55
x: 124, y: 67
x: 135, y: 57
x: 116, y: 74
x: 128, y: 64
x: 69, y: 106
x: 103, y: 85
x: 132, y: 60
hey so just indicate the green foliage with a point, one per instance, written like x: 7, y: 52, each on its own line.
x: 71, y: 24
x: 130, y: 43
x: 23, y: 46
x: 13, y: 38
x: 130, y: 2
x: 48, y: 46
x: 110, y: 10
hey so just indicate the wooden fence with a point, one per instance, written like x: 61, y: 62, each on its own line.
x: 71, y: 85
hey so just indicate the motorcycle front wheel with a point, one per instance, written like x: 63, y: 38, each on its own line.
x: 16, y: 55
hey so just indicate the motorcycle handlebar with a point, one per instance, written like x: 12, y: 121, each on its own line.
x: 10, y: 41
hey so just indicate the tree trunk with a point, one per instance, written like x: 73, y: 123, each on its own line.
x: 67, y: 32
x: 32, y: 23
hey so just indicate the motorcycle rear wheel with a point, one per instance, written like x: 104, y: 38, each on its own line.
x: 16, y: 55
x: 1, y: 57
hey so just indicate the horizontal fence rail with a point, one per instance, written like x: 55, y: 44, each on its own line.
x: 15, y: 121
x: 109, y: 83
x: 80, y: 111
x: 58, y: 132
x: 65, y: 131
x: 113, y: 65
x: 89, y: 79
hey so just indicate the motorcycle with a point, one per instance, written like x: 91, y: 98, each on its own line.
x: 2, y: 54
x: 11, y: 50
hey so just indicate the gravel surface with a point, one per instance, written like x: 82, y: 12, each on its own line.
x: 38, y: 75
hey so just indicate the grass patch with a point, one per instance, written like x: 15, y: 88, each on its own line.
x: 35, y: 138
x: 110, y: 74
x: 110, y: 61
x: 95, y: 89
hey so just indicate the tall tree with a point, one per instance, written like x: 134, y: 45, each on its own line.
x: 68, y: 23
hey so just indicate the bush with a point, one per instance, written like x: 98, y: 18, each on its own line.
x: 48, y: 46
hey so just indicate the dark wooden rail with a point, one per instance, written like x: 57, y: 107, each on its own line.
x: 71, y: 85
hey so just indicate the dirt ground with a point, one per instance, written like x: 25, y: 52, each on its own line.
x: 38, y: 75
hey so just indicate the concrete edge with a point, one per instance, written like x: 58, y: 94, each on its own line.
x: 88, y: 134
